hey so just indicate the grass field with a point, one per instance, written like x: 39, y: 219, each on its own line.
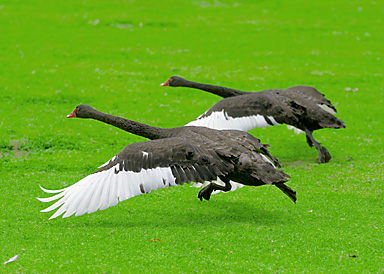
x: 113, y: 55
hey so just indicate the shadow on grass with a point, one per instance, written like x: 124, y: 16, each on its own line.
x: 207, y: 214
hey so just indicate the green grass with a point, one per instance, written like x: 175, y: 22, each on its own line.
x: 113, y: 55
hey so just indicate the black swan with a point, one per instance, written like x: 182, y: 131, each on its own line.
x: 173, y: 156
x: 301, y: 107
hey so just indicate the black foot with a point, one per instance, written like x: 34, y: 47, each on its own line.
x: 324, y: 156
x: 205, y: 193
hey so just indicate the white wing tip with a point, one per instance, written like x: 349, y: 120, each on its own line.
x: 53, y: 217
x: 51, y: 191
x: 41, y: 199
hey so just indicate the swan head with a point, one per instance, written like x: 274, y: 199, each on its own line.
x: 174, y: 81
x: 82, y: 111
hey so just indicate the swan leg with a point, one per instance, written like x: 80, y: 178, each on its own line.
x: 309, y: 142
x: 206, y: 191
x: 324, y: 156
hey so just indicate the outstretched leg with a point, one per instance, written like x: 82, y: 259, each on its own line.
x: 309, y: 142
x: 287, y: 191
x: 207, y: 190
x: 324, y: 155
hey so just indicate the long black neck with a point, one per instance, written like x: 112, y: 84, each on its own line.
x: 220, y: 91
x: 136, y: 128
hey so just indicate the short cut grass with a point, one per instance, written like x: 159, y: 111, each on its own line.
x: 113, y: 55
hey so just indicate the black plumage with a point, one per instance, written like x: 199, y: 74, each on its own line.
x: 173, y: 156
x: 302, y: 107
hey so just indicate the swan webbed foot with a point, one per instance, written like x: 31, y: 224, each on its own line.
x: 324, y: 156
x: 206, y: 191
x: 206, y: 195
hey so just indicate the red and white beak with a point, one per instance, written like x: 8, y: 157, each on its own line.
x: 165, y: 83
x: 72, y: 114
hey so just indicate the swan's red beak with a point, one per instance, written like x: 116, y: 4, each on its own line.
x: 72, y: 114
x: 165, y: 83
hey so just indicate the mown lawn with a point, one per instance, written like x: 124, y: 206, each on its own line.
x: 113, y: 55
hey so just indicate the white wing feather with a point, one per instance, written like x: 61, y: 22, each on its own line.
x: 104, y: 189
x: 221, y: 120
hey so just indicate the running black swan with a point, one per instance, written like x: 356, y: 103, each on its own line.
x: 174, y: 156
x: 301, y: 107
